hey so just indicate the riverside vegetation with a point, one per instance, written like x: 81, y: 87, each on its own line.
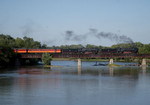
x: 8, y: 57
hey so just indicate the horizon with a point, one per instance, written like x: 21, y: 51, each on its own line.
x: 48, y: 21
x: 84, y: 45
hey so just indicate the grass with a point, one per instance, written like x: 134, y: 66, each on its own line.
x: 63, y: 59
x: 113, y: 65
x: 51, y: 66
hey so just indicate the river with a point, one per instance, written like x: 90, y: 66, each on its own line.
x: 68, y: 84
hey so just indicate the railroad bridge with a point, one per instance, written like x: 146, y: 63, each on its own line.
x: 93, y: 56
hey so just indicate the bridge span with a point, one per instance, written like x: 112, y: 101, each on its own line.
x: 88, y: 55
x: 91, y: 56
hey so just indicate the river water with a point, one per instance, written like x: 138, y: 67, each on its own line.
x: 72, y: 85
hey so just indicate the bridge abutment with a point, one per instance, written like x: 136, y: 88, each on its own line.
x: 111, y: 61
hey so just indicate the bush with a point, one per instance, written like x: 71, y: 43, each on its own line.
x: 46, y: 58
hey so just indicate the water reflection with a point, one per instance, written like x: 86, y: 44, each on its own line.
x: 79, y: 70
x: 111, y: 71
x: 144, y: 69
x: 87, y: 84
x: 32, y: 79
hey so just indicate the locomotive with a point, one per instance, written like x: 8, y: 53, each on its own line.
x: 79, y: 51
x: 120, y: 50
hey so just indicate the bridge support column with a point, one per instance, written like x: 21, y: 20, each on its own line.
x: 111, y: 61
x: 143, y: 62
x: 79, y: 62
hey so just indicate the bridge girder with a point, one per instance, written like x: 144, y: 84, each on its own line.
x: 87, y: 56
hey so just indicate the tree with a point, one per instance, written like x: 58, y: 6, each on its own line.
x: 7, y: 41
x: 139, y: 44
x: 20, y: 43
x: 7, y: 56
x: 30, y: 43
x: 36, y: 44
x: 145, y: 49
x: 75, y: 46
x: 91, y: 46
x: 44, y: 46
x: 46, y: 58
x: 124, y: 45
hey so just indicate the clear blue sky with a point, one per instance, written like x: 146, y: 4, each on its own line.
x: 48, y: 20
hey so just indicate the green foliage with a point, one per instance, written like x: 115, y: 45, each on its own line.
x: 71, y: 46
x: 123, y: 45
x: 145, y: 49
x: 91, y: 46
x: 30, y: 61
x: 7, y: 43
x: 20, y: 43
x: 30, y: 43
x: 139, y: 44
x: 44, y: 46
x: 46, y: 58
x: 7, y: 56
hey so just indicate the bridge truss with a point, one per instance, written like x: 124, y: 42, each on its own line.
x: 92, y: 56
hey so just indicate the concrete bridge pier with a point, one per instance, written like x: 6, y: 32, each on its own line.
x: 111, y: 61
x: 143, y: 62
x: 79, y: 62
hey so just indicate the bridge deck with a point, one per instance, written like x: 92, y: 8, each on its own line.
x: 88, y: 55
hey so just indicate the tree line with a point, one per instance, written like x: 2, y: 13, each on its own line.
x: 7, y: 43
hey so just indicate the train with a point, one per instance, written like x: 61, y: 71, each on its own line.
x: 18, y: 50
x: 79, y: 51
x: 120, y: 50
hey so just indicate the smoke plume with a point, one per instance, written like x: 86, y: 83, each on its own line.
x: 93, y: 33
x: 31, y: 27
x: 71, y: 36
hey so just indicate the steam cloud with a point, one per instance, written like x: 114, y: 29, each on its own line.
x: 31, y: 27
x: 28, y: 28
x: 71, y: 36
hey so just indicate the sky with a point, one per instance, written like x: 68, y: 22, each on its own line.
x: 66, y: 22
